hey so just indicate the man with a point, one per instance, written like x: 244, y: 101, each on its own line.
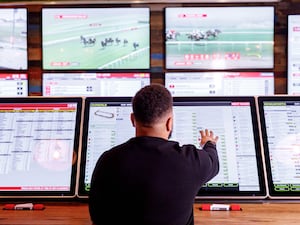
x: 150, y: 180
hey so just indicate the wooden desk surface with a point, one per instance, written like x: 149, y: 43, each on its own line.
x: 77, y: 214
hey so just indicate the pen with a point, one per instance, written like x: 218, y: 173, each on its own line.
x: 220, y: 207
x: 24, y: 206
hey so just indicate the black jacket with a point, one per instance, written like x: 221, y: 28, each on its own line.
x: 150, y: 181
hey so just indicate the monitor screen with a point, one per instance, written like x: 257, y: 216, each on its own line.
x: 93, y: 84
x: 39, y: 144
x: 13, y: 85
x: 219, y: 37
x: 95, y: 38
x: 219, y: 83
x: 13, y: 39
x: 280, y: 129
x: 293, y: 57
x: 234, y: 120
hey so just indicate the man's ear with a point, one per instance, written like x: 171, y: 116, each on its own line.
x: 132, y: 119
x: 169, y: 123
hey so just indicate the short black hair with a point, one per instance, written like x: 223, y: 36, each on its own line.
x: 151, y: 103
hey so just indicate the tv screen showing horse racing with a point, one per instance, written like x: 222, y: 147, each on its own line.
x: 96, y: 38
x: 219, y: 37
x: 13, y: 39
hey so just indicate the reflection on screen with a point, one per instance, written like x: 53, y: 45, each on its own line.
x: 281, y: 135
x: 13, y: 85
x: 93, y: 84
x: 13, y: 38
x: 219, y: 83
x: 233, y: 120
x: 36, y: 146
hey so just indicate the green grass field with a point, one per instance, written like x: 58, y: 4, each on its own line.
x: 251, y: 45
x: 64, y: 45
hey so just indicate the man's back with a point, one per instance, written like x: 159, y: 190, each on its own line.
x: 150, y: 180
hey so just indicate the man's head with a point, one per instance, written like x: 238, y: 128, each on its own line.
x: 152, y: 108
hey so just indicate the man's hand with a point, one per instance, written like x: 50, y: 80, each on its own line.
x: 207, y: 135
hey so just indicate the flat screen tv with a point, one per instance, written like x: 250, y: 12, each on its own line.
x: 233, y: 37
x: 93, y: 84
x: 13, y: 39
x: 279, y: 118
x: 234, y: 120
x: 293, y: 59
x: 95, y: 38
x: 39, y: 144
x: 13, y: 85
x: 219, y: 83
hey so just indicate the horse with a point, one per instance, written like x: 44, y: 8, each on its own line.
x: 87, y: 40
x: 172, y: 35
x: 135, y: 45
x: 213, y: 33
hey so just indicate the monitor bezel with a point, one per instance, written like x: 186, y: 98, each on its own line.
x: 262, y: 194
x: 225, y: 68
x: 93, y: 6
x: 250, y: 195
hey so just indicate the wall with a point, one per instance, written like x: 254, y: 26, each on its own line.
x: 282, y: 9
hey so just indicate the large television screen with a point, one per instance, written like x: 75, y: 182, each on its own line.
x: 95, y: 38
x: 182, y: 84
x: 233, y: 119
x: 93, y: 84
x: 293, y: 59
x: 280, y: 127
x: 219, y: 37
x: 13, y: 85
x: 39, y: 144
x: 13, y: 39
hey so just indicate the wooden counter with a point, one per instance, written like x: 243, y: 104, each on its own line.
x: 77, y: 214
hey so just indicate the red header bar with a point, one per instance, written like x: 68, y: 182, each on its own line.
x: 122, y: 75
x: 13, y: 76
x: 240, y: 103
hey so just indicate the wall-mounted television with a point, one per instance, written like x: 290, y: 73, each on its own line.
x: 13, y: 39
x: 93, y: 84
x: 39, y: 144
x: 293, y: 58
x: 234, y: 119
x: 219, y: 83
x: 230, y: 37
x: 95, y: 38
x: 13, y: 85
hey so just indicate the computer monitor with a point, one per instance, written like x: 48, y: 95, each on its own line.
x: 13, y: 39
x: 234, y: 120
x: 91, y: 38
x: 182, y: 84
x: 13, y: 85
x: 93, y: 84
x: 279, y: 118
x: 39, y: 144
x: 217, y: 37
